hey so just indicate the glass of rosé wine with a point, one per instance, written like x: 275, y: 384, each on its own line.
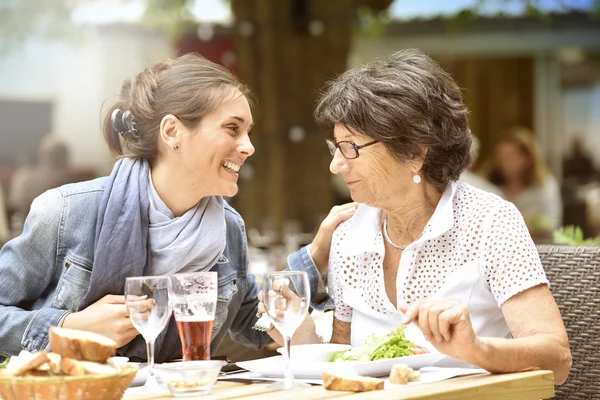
x: 194, y: 306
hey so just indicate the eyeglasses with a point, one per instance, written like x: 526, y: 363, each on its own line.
x: 348, y: 148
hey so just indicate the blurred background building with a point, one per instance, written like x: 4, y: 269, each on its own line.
x: 528, y: 63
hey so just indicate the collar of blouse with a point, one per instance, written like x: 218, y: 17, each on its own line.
x: 365, y: 225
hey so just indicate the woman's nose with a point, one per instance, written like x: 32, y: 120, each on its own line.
x: 246, y: 146
x: 338, y: 165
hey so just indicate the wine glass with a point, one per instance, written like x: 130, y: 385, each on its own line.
x: 286, y: 299
x: 149, y: 308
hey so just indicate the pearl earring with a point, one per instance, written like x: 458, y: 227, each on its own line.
x: 417, y: 178
x: 176, y: 147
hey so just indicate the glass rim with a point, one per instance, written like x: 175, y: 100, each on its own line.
x: 286, y: 273
x: 140, y: 278
x: 185, y: 274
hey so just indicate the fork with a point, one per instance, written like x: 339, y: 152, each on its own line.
x: 263, y: 323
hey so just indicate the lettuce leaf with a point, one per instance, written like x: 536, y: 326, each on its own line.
x: 4, y: 363
x: 391, y: 345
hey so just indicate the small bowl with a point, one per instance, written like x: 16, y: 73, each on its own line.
x: 314, y: 352
x: 189, y: 378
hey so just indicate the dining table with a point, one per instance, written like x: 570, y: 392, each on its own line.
x: 532, y: 385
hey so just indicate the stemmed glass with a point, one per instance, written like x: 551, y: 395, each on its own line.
x: 286, y: 299
x: 149, y: 307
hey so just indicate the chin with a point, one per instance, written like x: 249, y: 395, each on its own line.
x: 230, y: 191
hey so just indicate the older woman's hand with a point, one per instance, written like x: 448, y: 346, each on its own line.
x: 319, y: 248
x: 446, y: 325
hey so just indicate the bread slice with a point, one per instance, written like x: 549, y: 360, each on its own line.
x: 81, y: 345
x: 351, y: 383
x: 25, y: 363
x: 54, y: 363
x: 77, y: 368
x: 71, y: 367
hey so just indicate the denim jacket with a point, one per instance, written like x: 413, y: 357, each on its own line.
x: 45, y: 272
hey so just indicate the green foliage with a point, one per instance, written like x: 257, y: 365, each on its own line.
x: 174, y: 16
x: 4, y: 363
x: 371, y: 23
x: 573, y: 236
x: 21, y: 19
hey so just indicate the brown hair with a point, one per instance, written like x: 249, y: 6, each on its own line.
x: 188, y: 87
x: 411, y: 105
x: 525, y: 140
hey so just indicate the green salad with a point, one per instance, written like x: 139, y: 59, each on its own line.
x: 392, y: 345
x: 4, y: 363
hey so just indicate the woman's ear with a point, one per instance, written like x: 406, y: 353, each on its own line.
x: 169, y: 131
x: 417, y: 161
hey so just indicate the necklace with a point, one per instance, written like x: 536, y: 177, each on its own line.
x: 387, y: 237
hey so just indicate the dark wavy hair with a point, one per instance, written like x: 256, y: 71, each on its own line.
x: 411, y: 105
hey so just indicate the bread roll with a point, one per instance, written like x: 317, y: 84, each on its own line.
x: 401, y: 374
x: 75, y: 367
x: 351, y: 383
x: 25, y: 363
x: 81, y: 345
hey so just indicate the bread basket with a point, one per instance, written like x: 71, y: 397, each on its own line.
x: 84, y: 387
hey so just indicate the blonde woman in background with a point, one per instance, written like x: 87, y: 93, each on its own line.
x: 517, y: 167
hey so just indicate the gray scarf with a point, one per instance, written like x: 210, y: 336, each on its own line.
x: 124, y: 243
x: 189, y: 243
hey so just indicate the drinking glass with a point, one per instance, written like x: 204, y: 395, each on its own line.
x: 286, y: 297
x: 194, y: 305
x: 149, y: 308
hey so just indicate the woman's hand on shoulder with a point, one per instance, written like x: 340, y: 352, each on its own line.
x: 108, y: 317
x: 319, y: 248
x: 445, y: 324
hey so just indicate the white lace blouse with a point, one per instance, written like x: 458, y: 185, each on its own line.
x: 475, y: 249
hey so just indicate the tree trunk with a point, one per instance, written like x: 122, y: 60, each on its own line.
x: 287, y: 50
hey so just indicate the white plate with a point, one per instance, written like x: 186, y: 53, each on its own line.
x: 273, y: 366
x: 315, y: 352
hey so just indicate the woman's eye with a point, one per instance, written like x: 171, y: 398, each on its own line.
x: 233, y: 128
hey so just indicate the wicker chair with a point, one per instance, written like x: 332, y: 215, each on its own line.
x: 574, y: 275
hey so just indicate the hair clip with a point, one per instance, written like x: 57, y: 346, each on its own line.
x: 124, y: 123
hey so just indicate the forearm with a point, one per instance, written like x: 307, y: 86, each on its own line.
x: 26, y: 330
x: 540, y: 351
x: 341, y: 332
x: 302, y: 261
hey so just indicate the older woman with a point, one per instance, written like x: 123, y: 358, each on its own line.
x: 422, y: 248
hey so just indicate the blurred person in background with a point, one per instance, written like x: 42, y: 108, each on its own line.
x: 454, y: 263
x: 53, y: 169
x: 578, y: 165
x: 518, y: 168
x: 470, y: 177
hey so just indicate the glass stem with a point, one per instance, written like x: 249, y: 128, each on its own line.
x: 288, y: 377
x: 151, y: 380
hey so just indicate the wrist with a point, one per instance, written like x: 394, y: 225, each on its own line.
x: 317, y: 257
x: 480, y: 352
x: 70, y: 321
